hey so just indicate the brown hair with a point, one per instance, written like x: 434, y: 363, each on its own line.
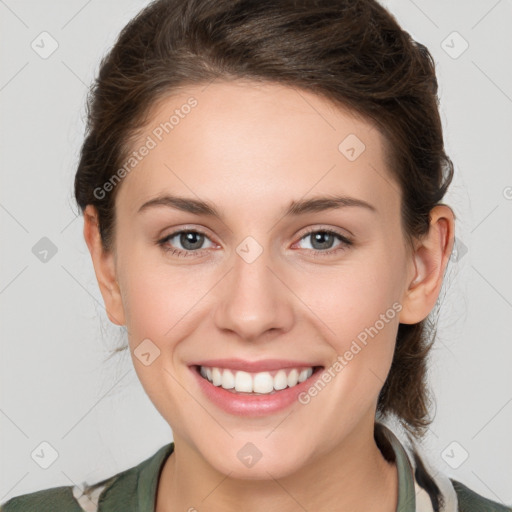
x: 351, y: 52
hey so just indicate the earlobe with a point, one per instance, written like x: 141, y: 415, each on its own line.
x: 431, y: 256
x: 104, y: 267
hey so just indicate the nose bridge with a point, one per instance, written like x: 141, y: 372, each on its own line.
x: 253, y: 300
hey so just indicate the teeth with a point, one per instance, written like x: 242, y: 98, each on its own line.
x: 293, y: 378
x: 243, y: 382
x: 262, y: 382
x: 280, y: 380
x: 216, y: 377
x: 228, y: 380
x: 303, y: 375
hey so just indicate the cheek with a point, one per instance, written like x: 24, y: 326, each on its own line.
x: 158, y: 302
x: 351, y: 299
x: 156, y: 297
x: 360, y: 305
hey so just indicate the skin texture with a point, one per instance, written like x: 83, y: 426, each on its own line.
x: 250, y: 149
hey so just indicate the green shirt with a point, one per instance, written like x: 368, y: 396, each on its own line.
x: 134, y: 489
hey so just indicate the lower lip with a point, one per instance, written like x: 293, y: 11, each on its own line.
x: 252, y: 405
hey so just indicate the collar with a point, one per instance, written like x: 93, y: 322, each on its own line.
x: 406, y: 488
x: 413, y: 467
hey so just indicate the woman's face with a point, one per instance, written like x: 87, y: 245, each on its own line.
x: 255, y: 285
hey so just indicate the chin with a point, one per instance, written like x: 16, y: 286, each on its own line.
x: 249, y: 463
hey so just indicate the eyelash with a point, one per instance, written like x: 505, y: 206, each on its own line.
x: 345, y: 243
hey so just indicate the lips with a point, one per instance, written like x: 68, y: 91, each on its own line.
x: 253, y: 403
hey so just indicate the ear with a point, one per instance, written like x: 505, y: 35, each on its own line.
x: 104, y: 267
x: 430, y: 257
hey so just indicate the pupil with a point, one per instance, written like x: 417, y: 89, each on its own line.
x: 187, y: 240
x: 320, y: 236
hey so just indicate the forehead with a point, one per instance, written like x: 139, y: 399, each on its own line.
x: 240, y: 142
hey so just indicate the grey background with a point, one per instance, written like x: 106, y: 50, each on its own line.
x: 55, y: 335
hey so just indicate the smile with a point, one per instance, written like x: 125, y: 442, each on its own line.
x: 255, y: 383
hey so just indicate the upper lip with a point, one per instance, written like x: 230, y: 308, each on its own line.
x: 254, y: 366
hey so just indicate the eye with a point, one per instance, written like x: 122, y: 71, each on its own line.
x: 322, y: 239
x: 191, y: 240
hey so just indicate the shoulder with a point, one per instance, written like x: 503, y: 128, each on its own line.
x: 470, y: 501
x: 118, y: 492
x: 55, y: 499
x: 69, y: 498
x: 72, y: 498
x: 436, y: 491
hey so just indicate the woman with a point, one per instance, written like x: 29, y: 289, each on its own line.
x: 261, y: 184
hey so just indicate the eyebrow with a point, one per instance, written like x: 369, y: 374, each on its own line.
x: 199, y: 207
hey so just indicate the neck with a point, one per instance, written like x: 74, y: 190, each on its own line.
x: 353, y: 476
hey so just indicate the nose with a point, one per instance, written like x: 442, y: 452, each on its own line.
x: 254, y: 300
